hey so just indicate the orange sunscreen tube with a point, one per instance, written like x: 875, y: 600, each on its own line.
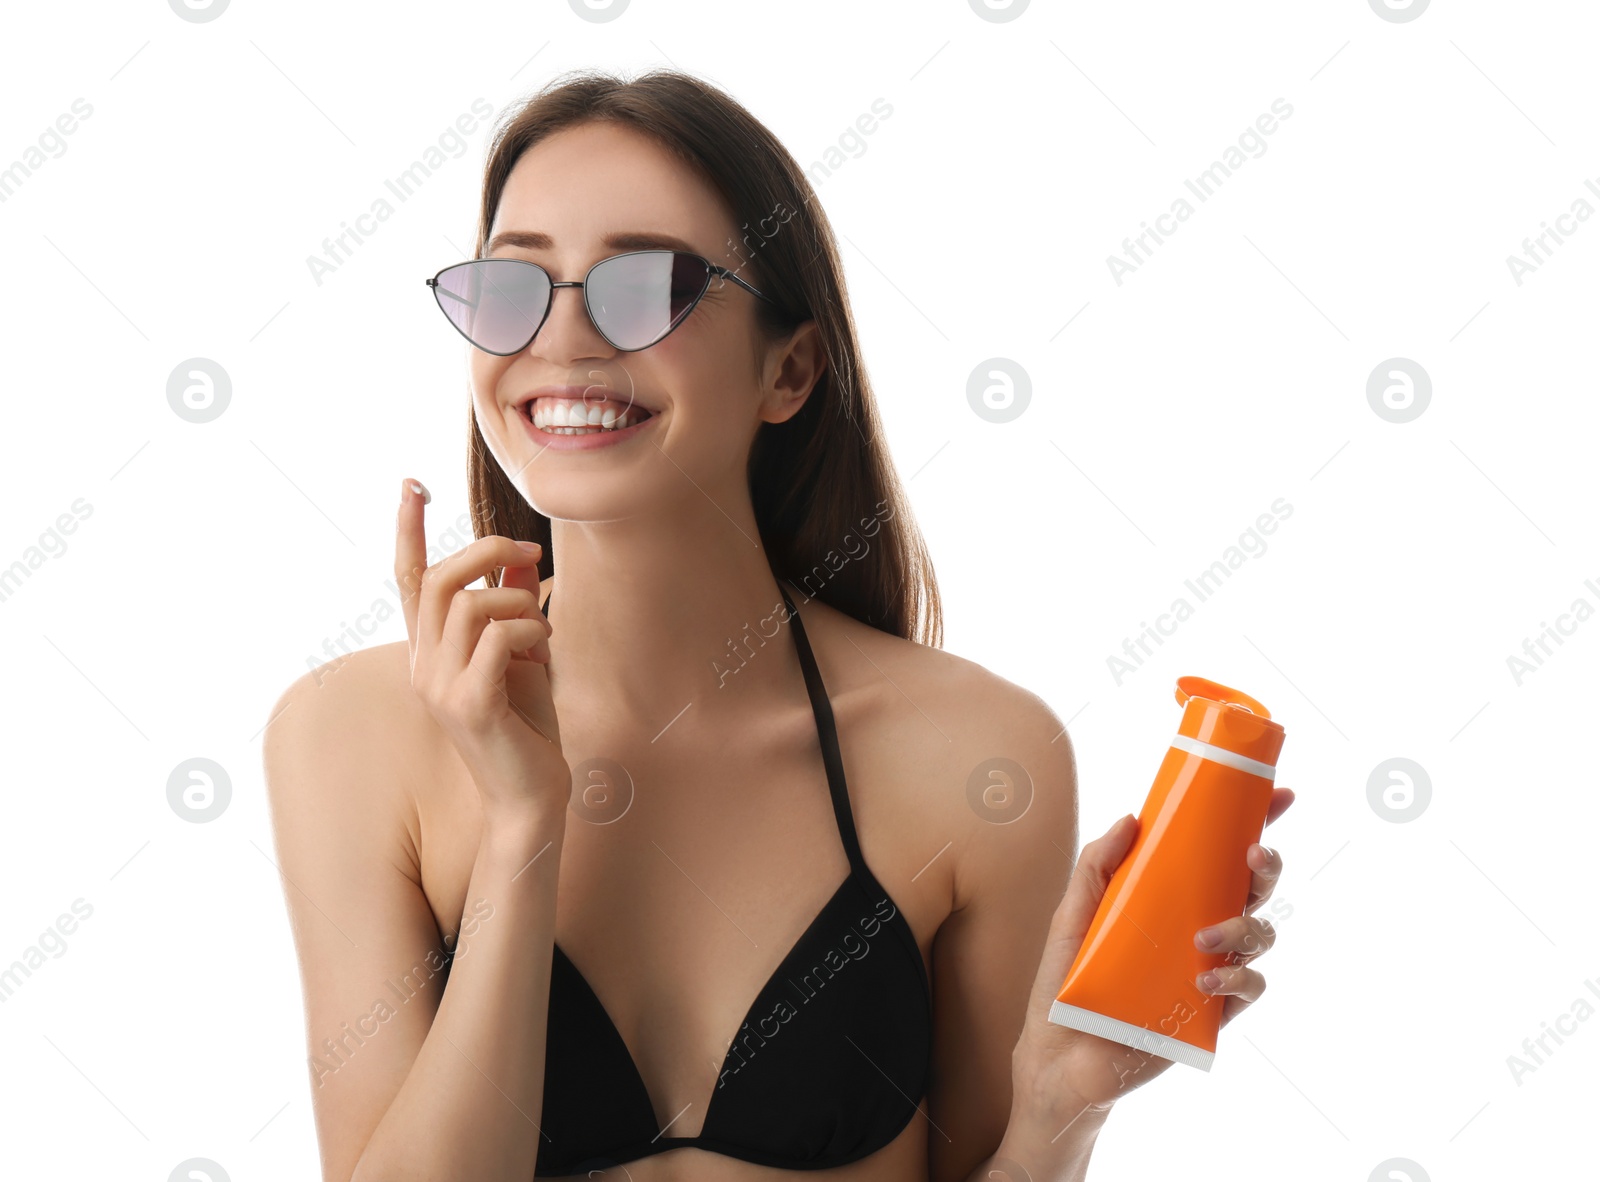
x: 1134, y: 980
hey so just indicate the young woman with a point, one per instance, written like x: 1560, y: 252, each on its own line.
x: 692, y: 886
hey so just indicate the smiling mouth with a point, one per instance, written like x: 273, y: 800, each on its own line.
x: 573, y: 416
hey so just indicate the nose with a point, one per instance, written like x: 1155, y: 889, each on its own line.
x: 568, y: 334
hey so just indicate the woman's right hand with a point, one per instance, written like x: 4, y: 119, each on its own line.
x: 478, y: 663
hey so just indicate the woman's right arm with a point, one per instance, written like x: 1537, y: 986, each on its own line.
x: 449, y: 1082
x: 409, y: 1079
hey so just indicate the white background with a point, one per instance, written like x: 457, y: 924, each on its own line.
x: 1228, y: 371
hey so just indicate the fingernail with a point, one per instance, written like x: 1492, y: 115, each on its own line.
x: 1210, y: 937
x: 1209, y: 980
x: 417, y: 487
x: 530, y: 547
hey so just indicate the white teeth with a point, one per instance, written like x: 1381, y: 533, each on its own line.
x: 567, y: 417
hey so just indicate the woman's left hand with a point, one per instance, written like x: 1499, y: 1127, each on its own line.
x: 1063, y: 1071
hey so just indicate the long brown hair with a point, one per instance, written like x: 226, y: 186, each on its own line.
x: 831, y: 511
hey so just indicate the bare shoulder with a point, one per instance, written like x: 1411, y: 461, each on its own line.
x: 971, y: 763
x: 339, y: 756
x: 350, y: 740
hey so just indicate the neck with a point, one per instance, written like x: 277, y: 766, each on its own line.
x: 651, y: 614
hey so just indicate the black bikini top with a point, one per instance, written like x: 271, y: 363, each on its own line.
x: 830, y: 1063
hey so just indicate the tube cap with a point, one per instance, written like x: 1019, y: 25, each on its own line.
x: 1213, y: 713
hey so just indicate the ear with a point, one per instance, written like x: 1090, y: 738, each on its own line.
x: 792, y: 369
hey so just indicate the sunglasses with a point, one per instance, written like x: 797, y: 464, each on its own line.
x: 633, y: 299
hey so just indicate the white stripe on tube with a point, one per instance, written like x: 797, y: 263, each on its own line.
x: 1225, y: 757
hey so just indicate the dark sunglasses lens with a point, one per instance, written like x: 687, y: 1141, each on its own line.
x: 638, y: 298
x: 497, y: 304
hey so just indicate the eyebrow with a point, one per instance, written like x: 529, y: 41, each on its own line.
x: 621, y: 240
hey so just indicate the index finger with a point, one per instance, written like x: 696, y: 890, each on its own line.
x: 410, y: 552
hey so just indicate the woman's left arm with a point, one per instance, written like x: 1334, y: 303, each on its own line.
x: 1075, y: 1077
x: 1022, y: 909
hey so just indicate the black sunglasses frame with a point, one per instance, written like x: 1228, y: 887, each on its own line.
x: 712, y: 271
